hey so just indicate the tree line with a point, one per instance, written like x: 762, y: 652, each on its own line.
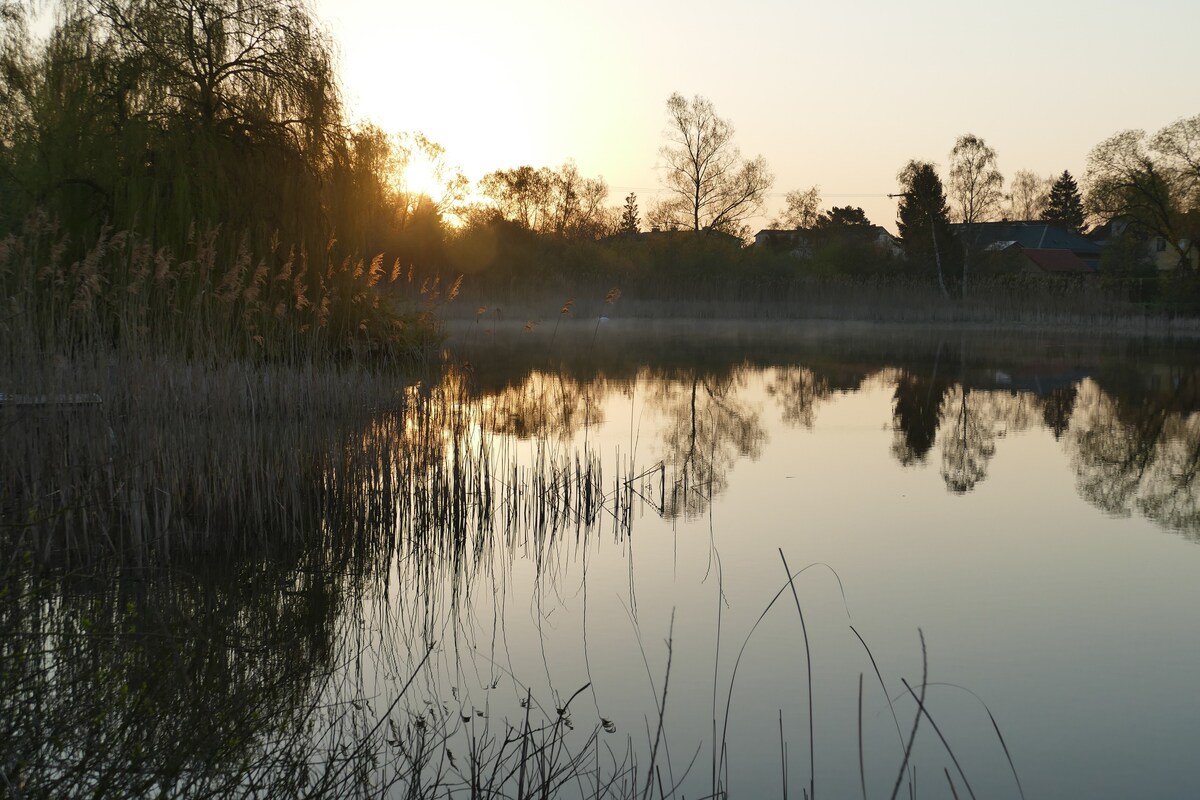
x: 215, y: 128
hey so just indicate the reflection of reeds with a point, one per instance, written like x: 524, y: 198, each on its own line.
x: 350, y: 471
x: 249, y: 681
x: 185, y: 458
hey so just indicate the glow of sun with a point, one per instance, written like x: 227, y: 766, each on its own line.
x: 420, y: 177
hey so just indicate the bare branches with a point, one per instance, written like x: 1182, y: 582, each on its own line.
x: 803, y: 209
x: 1028, y: 195
x: 976, y: 186
x: 711, y: 187
x: 561, y: 202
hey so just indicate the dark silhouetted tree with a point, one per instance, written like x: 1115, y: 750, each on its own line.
x: 560, y: 202
x: 1065, y: 205
x: 843, y: 217
x: 923, y: 220
x: 1154, y: 187
x: 630, y: 223
x: 976, y: 191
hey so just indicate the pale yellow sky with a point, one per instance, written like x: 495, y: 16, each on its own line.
x: 834, y: 94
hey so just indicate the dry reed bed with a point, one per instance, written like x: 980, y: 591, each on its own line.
x: 215, y: 299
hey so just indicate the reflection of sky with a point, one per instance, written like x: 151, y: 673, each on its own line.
x: 1076, y: 627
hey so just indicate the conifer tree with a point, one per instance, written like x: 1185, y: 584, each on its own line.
x: 1065, y: 206
x: 924, y: 221
x: 629, y: 215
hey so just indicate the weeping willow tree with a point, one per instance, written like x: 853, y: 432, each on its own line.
x: 164, y: 115
x: 197, y: 125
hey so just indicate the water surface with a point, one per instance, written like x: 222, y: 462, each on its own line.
x: 600, y: 522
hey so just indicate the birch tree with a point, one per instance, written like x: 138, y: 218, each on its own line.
x: 710, y: 186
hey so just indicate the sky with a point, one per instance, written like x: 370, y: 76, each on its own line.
x: 834, y: 94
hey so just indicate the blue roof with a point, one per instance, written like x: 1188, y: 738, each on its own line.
x: 1030, y: 235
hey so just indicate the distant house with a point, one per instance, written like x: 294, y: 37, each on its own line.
x: 790, y: 240
x: 1029, y: 236
x: 1038, y: 261
x: 1158, y: 251
x: 884, y: 240
x: 1055, y: 262
x: 799, y: 241
x: 678, y: 237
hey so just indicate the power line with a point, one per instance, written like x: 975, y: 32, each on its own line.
x: 824, y: 195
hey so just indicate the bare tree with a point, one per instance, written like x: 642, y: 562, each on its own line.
x: 711, y: 186
x: 976, y: 190
x: 561, y: 202
x: 579, y: 204
x: 667, y: 215
x: 520, y: 195
x: 1028, y: 195
x: 976, y: 186
x: 453, y: 184
x: 803, y: 209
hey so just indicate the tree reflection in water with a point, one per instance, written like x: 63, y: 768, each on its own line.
x: 917, y: 414
x: 1057, y: 408
x: 707, y: 428
x: 1141, y: 451
x: 281, y: 668
x: 548, y: 405
x: 168, y: 681
x: 968, y: 442
x: 798, y: 390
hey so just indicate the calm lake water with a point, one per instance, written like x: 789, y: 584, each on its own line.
x: 1031, y: 504
x: 606, y: 533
